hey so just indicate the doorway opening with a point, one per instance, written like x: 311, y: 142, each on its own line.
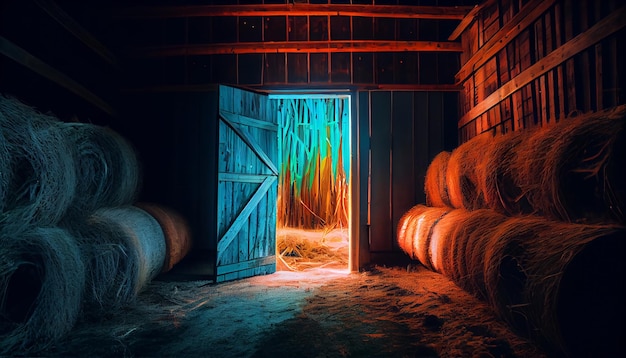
x: 313, y: 204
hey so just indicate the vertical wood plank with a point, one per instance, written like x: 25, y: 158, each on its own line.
x: 570, y: 76
x: 380, y: 230
x: 363, y: 176
x: 421, y: 130
x: 403, y: 172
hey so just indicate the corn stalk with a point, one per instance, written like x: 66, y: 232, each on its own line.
x: 313, y: 181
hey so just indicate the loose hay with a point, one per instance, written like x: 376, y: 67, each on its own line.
x: 300, y: 250
x: 176, y: 230
x: 42, y: 180
x: 435, y: 183
x: 42, y: 279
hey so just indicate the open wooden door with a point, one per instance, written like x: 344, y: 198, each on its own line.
x: 247, y: 184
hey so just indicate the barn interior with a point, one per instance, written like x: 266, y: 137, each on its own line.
x: 341, y: 178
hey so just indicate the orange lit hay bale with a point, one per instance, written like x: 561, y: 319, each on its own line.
x: 42, y: 181
x: 416, y: 240
x: 443, y: 244
x: 470, y: 235
x: 435, y: 182
x: 107, y: 165
x: 406, y: 229
x: 142, y: 240
x: 42, y: 279
x: 176, y: 230
x: 462, y: 177
x: 569, y: 171
x: 561, y: 284
x: 497, y: 182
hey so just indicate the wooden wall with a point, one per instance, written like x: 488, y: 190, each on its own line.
x: 306, y: 43
x: 528, y: 63
x: 400, y: 133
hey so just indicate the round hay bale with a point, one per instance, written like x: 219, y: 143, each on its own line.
x: 568, y: 171
x: 496, y: 176
x: 176, y: 230
x: 107, y: 166
x: 419, y: 226
x: 140, y: 232
x: 112, y: 262
x: 546, y: 280
x: 435, y: 183
x: 42, y: 181
x: 470, y: 239
x: 42, y: 278
x: 581, y: 157
x: 462, y: 174
x: 5, y: 169
x: 442, y: 242
x: 406, y: 229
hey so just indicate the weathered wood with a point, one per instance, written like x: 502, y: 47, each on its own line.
x: 298, y: 47
x: 242, y: 217
x: 24, y: 58
x: 241, y: 178
x: 65, y: 20
x: 384, y: 11
x: 249, y: 140
x: 230, y: 268
x: 599, y: 31
x: 508, y: 32
x: 466, y: 21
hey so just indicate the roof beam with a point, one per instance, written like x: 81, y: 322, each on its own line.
x: 388, y: 11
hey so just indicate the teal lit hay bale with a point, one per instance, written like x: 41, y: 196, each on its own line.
x: 42, y: 280
x: 435, y: 182
x: 497, y: 183
x: 5, y: 169
x: 144, y: 239
x: 107, y: 166
x: 462, y: 178
x: 419, y: 228
x: 175, y: 229
x: 112, y: 262
x: 561, y: 284
x: 43, y: 179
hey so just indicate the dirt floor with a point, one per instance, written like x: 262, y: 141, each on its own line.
x: 321, y: 312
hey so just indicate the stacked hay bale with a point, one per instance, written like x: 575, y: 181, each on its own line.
x: 532, y: 221
x: 71, y: 241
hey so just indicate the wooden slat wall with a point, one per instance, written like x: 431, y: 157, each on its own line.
x: 532, y: 63
x: 406, y: 130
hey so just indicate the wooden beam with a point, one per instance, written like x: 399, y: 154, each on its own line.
x: 387, y: 11
x: 65, y: 20
x: 507, y: 33
x: 298, y: 46
x: 595, y: 34
x: 465, y: 22
x: 24, y: 58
